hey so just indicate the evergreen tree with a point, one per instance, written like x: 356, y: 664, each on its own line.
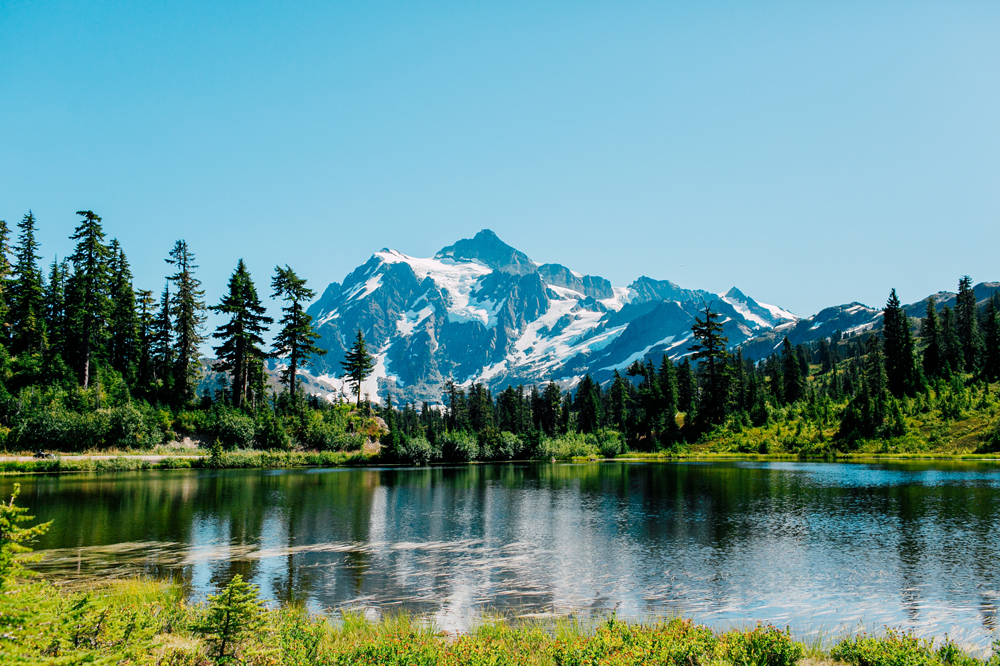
x: 953, y: 358
x: 357, y: 364
x: 88, y: 294
x: 295, y: 341
x: 5, y: 275
x: 587, y: 404
x: 687, y: 389
x: 618, y: 403
x: 710, y: 352
x: 550, y: 410
x: 188, y: 313
x: 791, y: 374
x: 123, y: 347
x: 241, y: 336
x: 991, y: 357
x: 967, y: 321
x: 667, y: 380
x: 930, y: 331
x: 27, y: 293
x: 147, y: 337
x: 56, y: 325
x: 900, y: 361
x: 162, y: 344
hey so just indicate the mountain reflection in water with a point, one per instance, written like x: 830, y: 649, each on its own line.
x: 818, y: 546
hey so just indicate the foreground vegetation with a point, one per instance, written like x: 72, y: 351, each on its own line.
x: 147, y: 622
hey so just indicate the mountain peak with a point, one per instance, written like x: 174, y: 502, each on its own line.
x: 736, y: 295
x: 487, y: 248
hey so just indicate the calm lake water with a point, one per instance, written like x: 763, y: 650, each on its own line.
x: 822, y: 547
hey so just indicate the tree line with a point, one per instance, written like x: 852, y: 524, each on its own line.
x: 859, y: 383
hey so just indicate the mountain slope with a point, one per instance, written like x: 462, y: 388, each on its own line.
x: 480, y: 310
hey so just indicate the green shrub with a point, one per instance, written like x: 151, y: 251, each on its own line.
x: 764, y: 645
x: 415, y: 450
x: 458, y: 446
x: 567, y: 446
x: 233, y: 428
x: 892, y: 649
x: 608, y: 442
x: 131, y: 428
x: 62, y: 430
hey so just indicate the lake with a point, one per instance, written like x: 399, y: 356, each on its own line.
x: 822, y: 547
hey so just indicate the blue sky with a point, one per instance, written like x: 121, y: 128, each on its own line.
x: 810, y: 153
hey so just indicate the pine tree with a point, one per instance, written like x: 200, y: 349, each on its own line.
x: 357, y: 364
x: 687, y: 390
x: 667, y: 380
x: 618, y: 403
x: 147, y: 321
x: 710, y: 352
x: 900, y: 361
x: 953, y: 358
x: 930, y: 331
x: 242, y: 341
x: 967, y: 320
x: 27, y: 293
x: 123, y: 343
x: 56, y: 325
x: 587, y: 404
x: 295, y: 341
x: 88, y: 294
x: 991, y: 357
x: 188, y: 313
x: 162, y: 344
x: 551, y: 409
x: 5, y: 275
x: 791, y: 374
x: 232, y: 615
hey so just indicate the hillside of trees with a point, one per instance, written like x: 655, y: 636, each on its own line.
x: 88, y: 361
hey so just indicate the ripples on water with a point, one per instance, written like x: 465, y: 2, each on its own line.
x: 825, y: 548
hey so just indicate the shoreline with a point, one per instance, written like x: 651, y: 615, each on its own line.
x: 16, y: 465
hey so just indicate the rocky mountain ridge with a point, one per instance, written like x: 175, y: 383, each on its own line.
x: 481, y: 311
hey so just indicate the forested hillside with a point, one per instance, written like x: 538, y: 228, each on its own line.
x: 89, y: 361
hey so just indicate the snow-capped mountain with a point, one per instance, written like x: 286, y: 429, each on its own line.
x: 480, y: 310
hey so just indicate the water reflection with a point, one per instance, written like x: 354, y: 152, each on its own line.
x: 817, y: 546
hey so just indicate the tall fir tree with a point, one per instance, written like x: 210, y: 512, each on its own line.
x: 358, y: 364
x: 145, y: 372
x: 5, y: 283
x: 242, y: 339
x: 27, y: 293
x: 687, y: 390
x: 587, y: 404
x: 188, y: 313
x: 618, y: 403
x: 56, y: 325
x: 967, y: 322
x: 930, y: 332
x: 952, y: 355
x: 710, y: 352
x: 295, y: 342
x: 667, y: 380
x: 900, y: 359
x: 123, y: 323
x: 88, y: 303
x: 791, y: 374
x: 163, y: 345
x: 991, y: 339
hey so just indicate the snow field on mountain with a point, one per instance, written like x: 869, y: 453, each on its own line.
x: 457, y: 279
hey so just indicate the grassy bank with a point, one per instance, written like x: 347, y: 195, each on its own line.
x: 147, y: 622
x: 220, y: 460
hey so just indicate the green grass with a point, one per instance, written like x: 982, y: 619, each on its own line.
x: 148, y: 622
x: 227, y: 460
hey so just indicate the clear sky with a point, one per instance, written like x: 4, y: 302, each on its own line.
x: 811, y: 153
